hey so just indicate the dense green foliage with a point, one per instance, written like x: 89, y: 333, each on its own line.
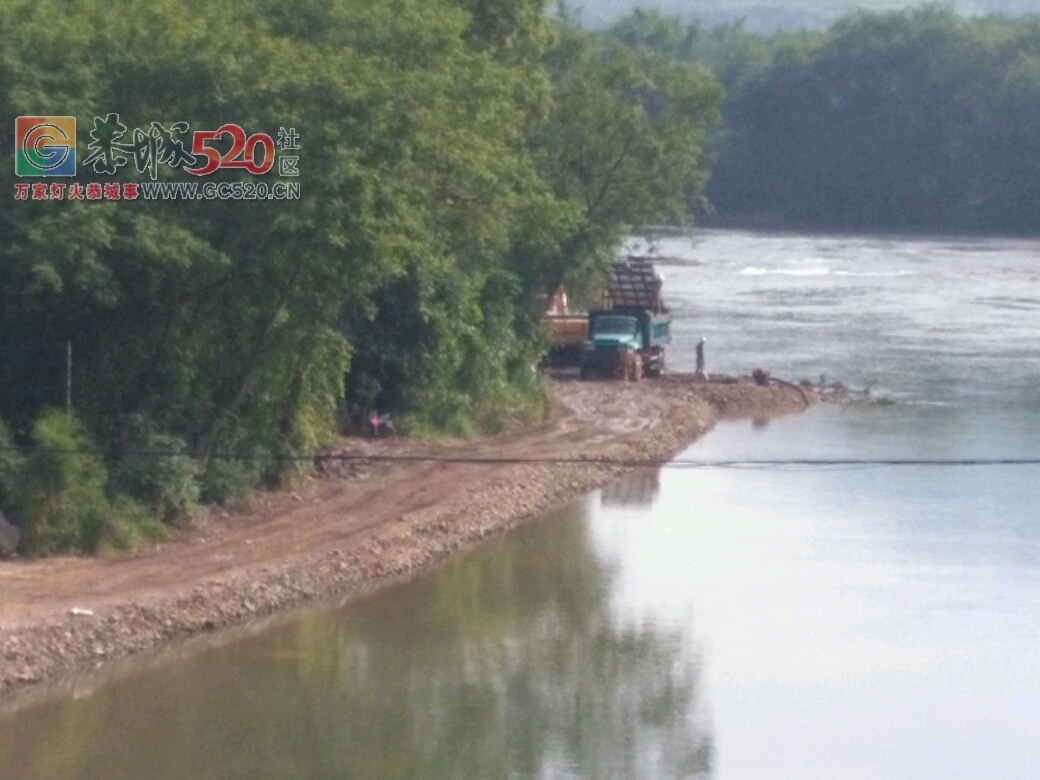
x: 919, y: 119
x: 59, y: 497
x: 451, y: 176
x: 10, y: 467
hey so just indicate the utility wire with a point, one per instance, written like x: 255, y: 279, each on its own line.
x: 563, y: 461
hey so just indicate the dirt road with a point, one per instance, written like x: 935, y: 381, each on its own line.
x: 358, y: 522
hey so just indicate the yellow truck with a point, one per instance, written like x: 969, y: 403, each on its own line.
x: 568, y: 333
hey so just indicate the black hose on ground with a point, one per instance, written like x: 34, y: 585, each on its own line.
x: 805, y: 396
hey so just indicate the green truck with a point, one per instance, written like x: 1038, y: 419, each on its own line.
x: 634, y: 319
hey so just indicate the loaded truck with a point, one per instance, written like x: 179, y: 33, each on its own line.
x: 568, y: 333
x: 633, y: 320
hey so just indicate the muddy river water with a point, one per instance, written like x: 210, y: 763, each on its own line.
x: 863, y: 621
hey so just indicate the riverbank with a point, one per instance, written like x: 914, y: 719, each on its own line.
x: 378, y: 510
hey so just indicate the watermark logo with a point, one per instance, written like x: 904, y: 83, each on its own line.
x: 148, y: 149
x: 45, y: 145
x: 242, y: 154
x: 288, y: 141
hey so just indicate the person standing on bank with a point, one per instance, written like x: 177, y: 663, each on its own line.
x: 700, y: 359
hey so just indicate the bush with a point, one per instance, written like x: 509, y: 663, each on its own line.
x: 60, y: 501
x: 10, y: 466
x: 229, y: 479
x: 127, y: 525
x: 157, y: 471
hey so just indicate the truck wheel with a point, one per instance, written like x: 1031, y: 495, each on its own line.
x: 656, y: 367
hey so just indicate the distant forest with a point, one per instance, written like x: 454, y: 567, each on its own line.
x: 918, y: 119
x: 769, y: 16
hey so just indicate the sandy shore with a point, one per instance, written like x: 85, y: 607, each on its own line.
x: 359, y: 523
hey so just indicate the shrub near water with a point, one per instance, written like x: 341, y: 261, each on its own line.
x: 60, y: 501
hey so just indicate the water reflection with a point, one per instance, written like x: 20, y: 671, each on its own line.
x: 508, y: 664
x: 637, y: 489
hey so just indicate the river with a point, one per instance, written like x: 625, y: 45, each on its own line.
x: 810, y: 622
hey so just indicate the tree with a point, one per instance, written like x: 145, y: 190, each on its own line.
x: 624, y: 145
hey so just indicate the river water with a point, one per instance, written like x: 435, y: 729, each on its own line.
x: 770, y: 622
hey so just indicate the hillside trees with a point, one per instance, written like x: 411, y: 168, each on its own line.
x: 445, y: 190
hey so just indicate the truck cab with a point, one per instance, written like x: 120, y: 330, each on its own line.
x: 616, y: 330
x: 625, y: 327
